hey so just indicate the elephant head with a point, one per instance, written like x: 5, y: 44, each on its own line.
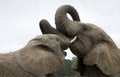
x: 43, y: 55
x: 92, y: 44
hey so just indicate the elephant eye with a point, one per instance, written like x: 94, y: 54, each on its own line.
x: 57, y: 39
x: 85, y: 28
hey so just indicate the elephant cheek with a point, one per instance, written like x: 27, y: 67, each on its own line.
x: 77, y: 49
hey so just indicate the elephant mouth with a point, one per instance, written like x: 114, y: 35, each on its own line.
x: 75, y: 38
x: 64, y: 53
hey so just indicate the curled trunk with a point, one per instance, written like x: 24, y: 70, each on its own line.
x: 46, y: 28
x: 63, y: 23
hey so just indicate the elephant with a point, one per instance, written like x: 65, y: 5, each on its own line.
x: 97, y: 54
x: 42, y: 56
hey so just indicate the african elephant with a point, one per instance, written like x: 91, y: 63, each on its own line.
x: 98, y: 55
x: 41, y: 57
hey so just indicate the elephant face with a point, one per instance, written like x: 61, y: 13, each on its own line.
x: 88, y: 35
x: 52, y: 42
x: 92, y: 43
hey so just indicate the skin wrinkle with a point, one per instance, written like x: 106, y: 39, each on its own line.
x: 7, y: 69
x: 22, y: 67
x: 81, y: 41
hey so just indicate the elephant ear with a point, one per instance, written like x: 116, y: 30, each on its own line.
x: 105, y: 57
x: 38, y: 58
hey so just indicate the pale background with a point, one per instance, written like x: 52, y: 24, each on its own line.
x: 19, y: 19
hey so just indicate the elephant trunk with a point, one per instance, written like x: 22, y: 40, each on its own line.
x: 63, y: 23
x: 46, y: 28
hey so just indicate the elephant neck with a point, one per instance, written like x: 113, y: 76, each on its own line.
x: 20, y: 68
x: 93, y: 71
x: 10, y: 68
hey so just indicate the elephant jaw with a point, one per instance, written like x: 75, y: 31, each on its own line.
x: 72, y: 41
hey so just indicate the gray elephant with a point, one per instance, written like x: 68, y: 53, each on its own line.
x: 41, y: 57
x: 98, y: 55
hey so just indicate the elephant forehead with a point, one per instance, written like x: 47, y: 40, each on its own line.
x: 94, y: 27
x: 47, y: 39
x: 47, y: 36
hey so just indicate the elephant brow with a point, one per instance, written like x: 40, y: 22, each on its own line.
x: 47, y: 48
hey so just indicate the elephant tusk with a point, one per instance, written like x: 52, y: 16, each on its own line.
x: 73, y: 39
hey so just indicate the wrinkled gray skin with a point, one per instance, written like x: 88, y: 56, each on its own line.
x: 41, y: 57
x: 98, y: 56
x: 101, y: 57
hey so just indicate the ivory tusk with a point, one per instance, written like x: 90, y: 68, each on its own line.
x: 73, y: 39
